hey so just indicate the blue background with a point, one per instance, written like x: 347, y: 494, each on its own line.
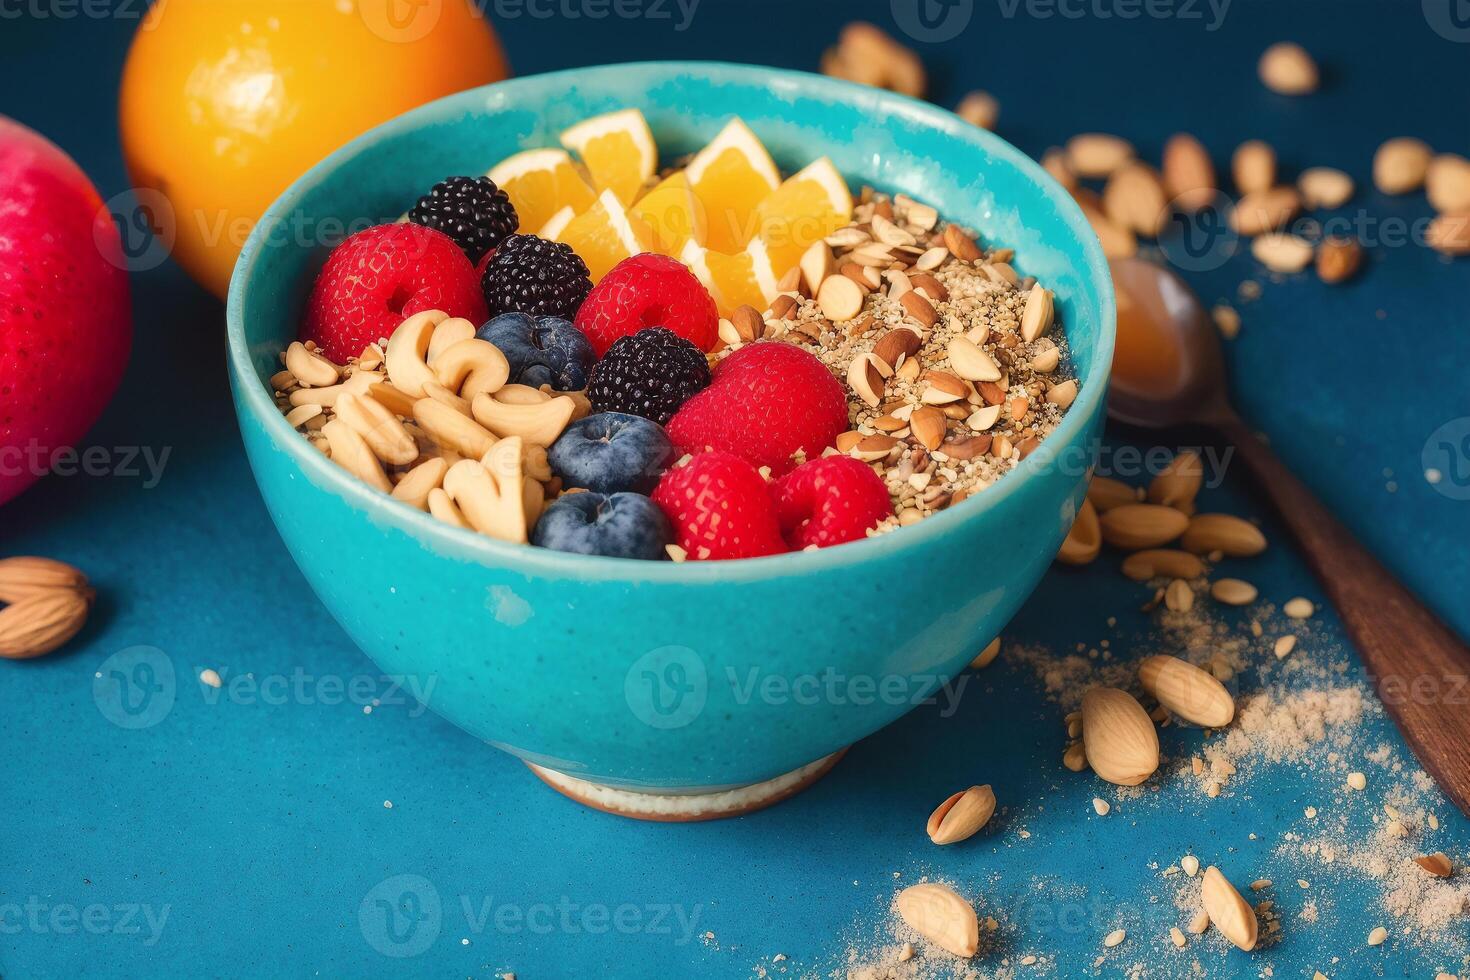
x: 258, y: 822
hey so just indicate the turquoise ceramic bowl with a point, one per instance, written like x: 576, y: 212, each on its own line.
x: 651, y: 675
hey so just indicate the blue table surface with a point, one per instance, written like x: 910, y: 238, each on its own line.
x: 245, y: 832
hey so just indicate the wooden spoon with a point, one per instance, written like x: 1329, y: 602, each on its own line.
x: 1168, y: 371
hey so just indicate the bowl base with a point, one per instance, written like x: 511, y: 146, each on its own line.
x: 682, y: 807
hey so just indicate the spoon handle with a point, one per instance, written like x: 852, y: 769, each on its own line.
x: 1420, y: 669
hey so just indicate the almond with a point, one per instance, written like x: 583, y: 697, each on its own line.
x: 962, y: 815
x: 1117, y: 242
x: 1178, y: 483
x: 1253, y: 166
x: 839, y: 298
x: 970, y: 361
x: 929, y: 286
x: 1436, y: 864
x: 1189, y: 175
x: 1187, y: 691
x: 916, y: 306
x: 1225, y: 533
x: 1287, y: 69
x: 1401, y: 164
x: 1338, y: 259
x: 1062, y: 394
x: 1084, y: 538
x: 1134, y: 526
x: 1282, y: 253
x: 39, y: 623
x: 748, y: 322
x: 1228, y: 911
x: 1162, y: 563
x: 1262, y: 211
x: 1134, y: 198
x: 938, y: 914
x: 1450, y: 233
x: 1324, y: 187
x: 27, y: 575
x: 1037, y: 317
x: 979, y: 109
x: 1107, y: 493
x: 865, y: 378
x: 1233, y: 591
x: 960, y: 245
x: 1447, y: 183
x: 944, y: 388
x: 896, y: 343
x: 1121, y: 744
x: 872, y: 448
x: 928, y: 425
x: 1097, y: 155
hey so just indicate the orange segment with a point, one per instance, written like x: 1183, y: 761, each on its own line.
x: 540, y: 183
x: 809, y: 206
x: 731, y: 176
x: 674, y: 214
x: 617, y: 150
x: 744, y: 278
x: 556, y: 224
x: 605, y: 234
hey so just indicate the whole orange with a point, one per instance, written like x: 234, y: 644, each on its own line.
x: 225, y: 102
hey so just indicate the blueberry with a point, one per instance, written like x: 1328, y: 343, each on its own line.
x: 542, y: 350
x: 623, y: 525
x: 611, y: 452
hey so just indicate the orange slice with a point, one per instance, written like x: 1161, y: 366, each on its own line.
x: 731, y: 176
x: 539, y: 183
x: 617, y: 149
x: 674, y: 214
x: 744, y: 278
x: 556, y: 224
x: 605, y: 234
x: 809, y: 206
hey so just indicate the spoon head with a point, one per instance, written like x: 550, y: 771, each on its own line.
x: 1167, y: 368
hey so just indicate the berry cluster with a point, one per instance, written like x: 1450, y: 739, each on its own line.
x: 636, y: 344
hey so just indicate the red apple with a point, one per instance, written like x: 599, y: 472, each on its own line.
x: 65, y: 321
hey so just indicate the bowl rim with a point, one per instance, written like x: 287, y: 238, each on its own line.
x: 449, y: 541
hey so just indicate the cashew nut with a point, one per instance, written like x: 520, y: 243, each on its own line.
x: 472, y: 367
x: 357, y: 384
x: 491, y: 492
x: 443, y: 508
x: 452, y: 430
x: 393, y: 398
x: 309, y: 368
x: 351, y: 453
x: 440, y: 393
x: 538, y: 424
x: 408, y: 350
x: 417, y: 483
x: 521, y: 395
x: 446, y: 335
x: 379, y: 428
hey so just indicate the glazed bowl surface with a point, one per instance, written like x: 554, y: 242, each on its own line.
x: 653, y: 675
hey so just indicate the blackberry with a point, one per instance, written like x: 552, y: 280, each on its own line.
x: 470, y: 210
x: 535, y: 276
x: 650, y: 373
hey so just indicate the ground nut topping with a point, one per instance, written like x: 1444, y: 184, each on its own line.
x: 939, y: 427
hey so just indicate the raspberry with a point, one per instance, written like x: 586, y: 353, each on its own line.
x: 535, y: 276
x: 470, y: 210
x: 720, y: 507
x: 379, y: 277
x: 828, y: 501
x: 649, y: 290
x: 765, y: 401
x: 650, y: 374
